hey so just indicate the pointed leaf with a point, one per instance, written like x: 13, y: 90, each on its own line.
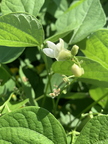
x: 20, y: 30
x: 29, y: 6
x: 31, y: 125
x: 95, y: 131
x: 91, y: 16
x: 96, y: 47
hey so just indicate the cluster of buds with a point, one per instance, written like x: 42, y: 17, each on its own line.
x: 55, y: 93
x: 58, y: 52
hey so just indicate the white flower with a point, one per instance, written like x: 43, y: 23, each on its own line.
x: 57, y: 51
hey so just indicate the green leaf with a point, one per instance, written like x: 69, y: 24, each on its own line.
x: 97, y: 93
x: 67, y: 20
x: 31, y: 125
x: 9, y: 54
x: 4, y: 77
x: 95, y: 131
x: 62, y: 67
x: 28, y: 90
x: 20, y: 30
x: 91, y: 17
x: 96, y: 47
x: 29, y: 6
x: 62, y: 33
x: 57, y: 7
x: 7, y: 88
x: 10, y: 106
x: 92, y: 69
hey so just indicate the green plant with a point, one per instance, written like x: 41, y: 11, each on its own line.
x: 53, y: 72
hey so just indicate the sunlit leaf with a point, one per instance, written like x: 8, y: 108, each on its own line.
x: 29, y: 6
x: 92, y: 69
x: 96, y: 47
x: 31, y: 125
x: 20, y: 30
x: 95, y: 131
x: 91, y: 17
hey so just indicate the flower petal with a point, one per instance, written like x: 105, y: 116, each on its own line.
x: 51, y: 45
x: 56, y: 53
x: 60, y: 45
x: 49, y: 52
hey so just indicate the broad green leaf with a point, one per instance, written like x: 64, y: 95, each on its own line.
x: 9, y: 54
x: 92, y: 69
x: 97, y: 93
x: 96, y: 47
x: 20, y: 30
x: 31, y: 125
x: 29, y: 6
x: 95, y: 131
x: 4, y: 76
x: 68, y: 19
x: 91, y: 17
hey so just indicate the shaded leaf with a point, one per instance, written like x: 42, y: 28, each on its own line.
x: 9, y: 54
x: 4, y: 76
x: 12, y: 106
x: 28, y: 90
x: 97, y: 93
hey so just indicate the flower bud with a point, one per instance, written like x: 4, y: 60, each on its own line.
x: 76, y: 70
x: 64, y: 55
x: 74, y: 50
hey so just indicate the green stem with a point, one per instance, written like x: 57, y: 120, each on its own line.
x: 40, y: 97
x: 58, y: 98
x: 90, y: 106
x: 49, y: 78
x: 54, y: 107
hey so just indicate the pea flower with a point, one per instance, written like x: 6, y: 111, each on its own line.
x: 57, y: 51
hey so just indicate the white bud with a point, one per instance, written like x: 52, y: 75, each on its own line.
x: 76, y: 70
x: 74, y: 50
